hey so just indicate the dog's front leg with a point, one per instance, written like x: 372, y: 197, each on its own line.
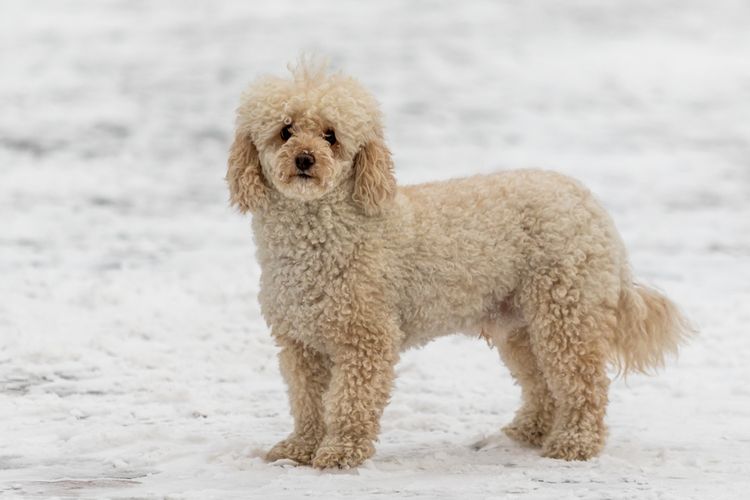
x: 361, y: 380
x: 307, y: 374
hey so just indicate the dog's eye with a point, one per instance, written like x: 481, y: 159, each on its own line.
x: 330, y: 136
x: 286, y: 133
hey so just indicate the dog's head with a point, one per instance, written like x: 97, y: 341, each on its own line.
x: 307, y: 136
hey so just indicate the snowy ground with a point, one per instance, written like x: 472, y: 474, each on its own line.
x: 133, y: 360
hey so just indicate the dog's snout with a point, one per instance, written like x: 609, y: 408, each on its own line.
x: 304, y: 161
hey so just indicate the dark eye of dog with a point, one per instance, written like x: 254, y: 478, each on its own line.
x: 286, y: 133
x: 330, y: 136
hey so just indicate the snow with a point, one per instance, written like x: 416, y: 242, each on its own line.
x: 133, y: 359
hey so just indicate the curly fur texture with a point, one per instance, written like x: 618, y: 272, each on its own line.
x: 355, y: 270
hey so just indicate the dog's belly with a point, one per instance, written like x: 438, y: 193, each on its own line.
x: 444, y: 309
x: 422, y: 329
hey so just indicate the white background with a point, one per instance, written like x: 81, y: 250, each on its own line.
x: 133, y: 359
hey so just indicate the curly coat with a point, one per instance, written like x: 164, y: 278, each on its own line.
x: 355, y: 270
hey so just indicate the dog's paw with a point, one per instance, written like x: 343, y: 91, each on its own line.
x: 295, y: 448
x: 342, y: 455
x: 526, y: 432
x: 568, y: 445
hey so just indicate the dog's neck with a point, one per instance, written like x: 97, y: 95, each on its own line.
x: 294, y: 226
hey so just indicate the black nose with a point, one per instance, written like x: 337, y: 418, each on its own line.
x: 304, y: 161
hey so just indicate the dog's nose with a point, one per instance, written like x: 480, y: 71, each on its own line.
x: 304, y: 161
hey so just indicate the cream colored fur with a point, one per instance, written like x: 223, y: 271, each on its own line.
x: 355, y: 270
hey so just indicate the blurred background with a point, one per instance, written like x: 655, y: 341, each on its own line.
x: 132, y: 352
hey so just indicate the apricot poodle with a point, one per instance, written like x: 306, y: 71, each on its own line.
x: 356, y: 269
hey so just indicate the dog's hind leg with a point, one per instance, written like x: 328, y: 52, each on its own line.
x: 568, y: 338
x: 534, y: 419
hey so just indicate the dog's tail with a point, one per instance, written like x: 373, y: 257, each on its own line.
x: 649, y: 326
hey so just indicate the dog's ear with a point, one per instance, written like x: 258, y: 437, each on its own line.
x: 247, y: 188
x: 374, y: 181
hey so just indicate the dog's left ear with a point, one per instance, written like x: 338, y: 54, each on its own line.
x: 374, y: 181
x: 247, y: 188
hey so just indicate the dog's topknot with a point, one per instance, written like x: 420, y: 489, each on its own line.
x: 309, y: 69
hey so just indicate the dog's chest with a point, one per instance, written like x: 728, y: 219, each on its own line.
x: 305, y: 267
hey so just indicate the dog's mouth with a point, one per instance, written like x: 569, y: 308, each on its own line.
x: 303, y: 185
x: 301, y: 178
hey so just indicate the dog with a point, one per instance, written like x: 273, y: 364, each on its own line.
x: 354, y: 270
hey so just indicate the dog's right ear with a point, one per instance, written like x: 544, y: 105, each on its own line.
x: 247, y: 188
